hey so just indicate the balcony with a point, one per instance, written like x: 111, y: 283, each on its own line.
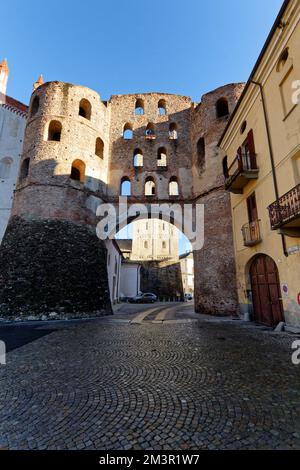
x: 241, y: 171
x: 251, y: 233
x: 285, y: 213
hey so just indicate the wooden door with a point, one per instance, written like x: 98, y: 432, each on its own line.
x: 266, y: 293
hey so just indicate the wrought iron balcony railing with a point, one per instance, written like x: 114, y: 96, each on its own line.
x: 242, y: 169
x: 251, y: 233
x: 286, y: 210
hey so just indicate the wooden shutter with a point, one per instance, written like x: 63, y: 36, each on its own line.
x: 251, y: 147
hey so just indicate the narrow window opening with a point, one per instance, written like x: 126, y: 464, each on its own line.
x: 173, y: 134
x: 99, y: 147
x: 78, y: 171
x: 54, y: 131
x: 139, y: 107
x: 222, y: 108
x: 125, y: 188
x: 149, y: 187
x: 138, y: 158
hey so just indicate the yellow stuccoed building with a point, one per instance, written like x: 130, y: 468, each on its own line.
x: 262, y: 171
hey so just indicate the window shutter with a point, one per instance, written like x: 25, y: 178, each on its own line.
x: 251, y: 147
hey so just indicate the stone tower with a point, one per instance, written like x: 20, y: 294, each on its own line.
x: 51, y: 258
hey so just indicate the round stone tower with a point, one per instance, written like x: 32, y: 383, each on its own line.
x: 50, y: 257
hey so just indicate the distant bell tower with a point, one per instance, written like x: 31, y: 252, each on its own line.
x: 154, y: 240
x: 4, y: 73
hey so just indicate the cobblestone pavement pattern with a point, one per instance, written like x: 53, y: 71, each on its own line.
x: 110, y: 383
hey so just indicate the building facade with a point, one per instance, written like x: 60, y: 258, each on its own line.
x: 13, y: 116
x: 262, y: 173
x: 187, y: 273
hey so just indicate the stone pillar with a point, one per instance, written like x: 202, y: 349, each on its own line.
x: 214, y: 266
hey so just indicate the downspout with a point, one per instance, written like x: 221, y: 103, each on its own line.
x: 275, y: 183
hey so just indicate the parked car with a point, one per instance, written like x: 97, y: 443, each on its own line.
x: 188, y: 296
x: 144, y: 298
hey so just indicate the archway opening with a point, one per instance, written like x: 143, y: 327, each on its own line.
x: 157, y: 259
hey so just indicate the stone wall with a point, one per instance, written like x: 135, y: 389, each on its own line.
x: 178, y: 111
x: 162, y: 278
x: 52, y: 268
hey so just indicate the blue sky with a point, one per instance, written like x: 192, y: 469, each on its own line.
x: 187, y: 47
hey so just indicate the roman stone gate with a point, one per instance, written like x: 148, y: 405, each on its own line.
x: 80, y: 153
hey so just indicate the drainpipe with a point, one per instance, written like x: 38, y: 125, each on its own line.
x: 275, y: 183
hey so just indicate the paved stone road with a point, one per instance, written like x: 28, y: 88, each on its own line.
x: 171, y: 380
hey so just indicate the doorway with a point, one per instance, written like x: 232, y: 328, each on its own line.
x: 266, y: 292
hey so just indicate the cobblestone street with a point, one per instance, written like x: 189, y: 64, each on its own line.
x: 149, y: 378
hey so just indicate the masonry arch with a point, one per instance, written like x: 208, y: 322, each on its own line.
x: 173, y: 132
x: 99, y: 148
x: 125, y: 186
x: 162, y: 157
x: 85, y: 109
x: 24, y: 172
x: 173, y: 186
x: 54, y: 131
x: 138, y: 158
x: 139, y: 107
x: 222, y: 107
x: 150, y: 131
x: 78, y: 171
x: 162, y: 107
x: 150, y: 186
x: 164, y: 256
x: 35, y: 106
x: 127, y: 131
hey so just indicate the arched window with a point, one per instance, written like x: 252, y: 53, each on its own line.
x: 54, y: 131
x: 137, y: 158
x: 149, y: 186
x: 146, y: 245
x: 150, y: 131
x: 85, y: 109
x: 139, y: 107
x: 162, y: 107
x: 173, y: 187
x: 173, y: 131
x: 125, y: 187
x: 164, y: 245
x: 127, y: 131
x: 99, y: 147
x: 201, y: 154
x: 78, y: 171
x: 161, y: 157
x: 5, y: 167
x: 35, y: 105
x: 24, y: 168
x: 222, y: 109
